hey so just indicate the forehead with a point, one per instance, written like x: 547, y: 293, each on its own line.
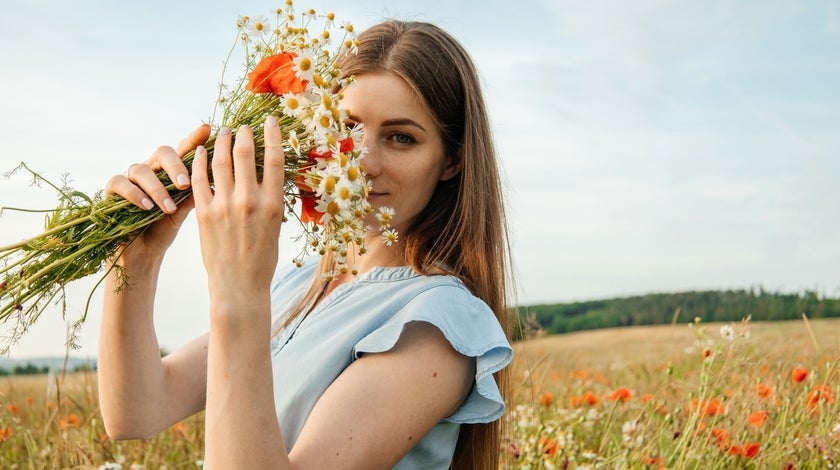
x: 381, y: 96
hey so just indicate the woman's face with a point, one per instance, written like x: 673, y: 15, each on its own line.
x: 405, y: 158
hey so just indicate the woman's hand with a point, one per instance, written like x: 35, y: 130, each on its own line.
x: 141, y: 186
x: 239, y: 219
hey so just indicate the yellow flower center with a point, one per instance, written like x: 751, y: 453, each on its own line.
x: 352, y: 173
x: 332, y: 208
x: 329, y: 184
x: 305, y: 64
x: 344, y: 193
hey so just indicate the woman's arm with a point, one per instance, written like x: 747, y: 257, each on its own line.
x: 381, y: 406
x: 139, y: 393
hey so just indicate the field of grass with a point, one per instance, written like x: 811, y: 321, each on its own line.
x: 699, y: 397
x: 715, y: 396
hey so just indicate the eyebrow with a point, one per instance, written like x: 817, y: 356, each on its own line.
x: 394, y: 122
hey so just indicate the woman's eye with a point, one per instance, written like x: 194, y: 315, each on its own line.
x: 403, y: 139
x: 350, y: 124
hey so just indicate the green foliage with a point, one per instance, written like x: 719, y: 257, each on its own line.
x: 656, y: 309
x: 29, y: 369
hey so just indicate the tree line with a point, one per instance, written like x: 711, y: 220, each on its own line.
x: 653, y: 309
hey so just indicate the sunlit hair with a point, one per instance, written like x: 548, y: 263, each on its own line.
x: 462, y: 231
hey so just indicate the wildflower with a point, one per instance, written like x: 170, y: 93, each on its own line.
x: 727, y: 332
x: 764, y: 391
x: 546, y: 399
x: 590, y: 398
x: 384, y: 216
x: 12, y: 408
x: 820, y: 393
x: 631, y: 434
x: 749, y: 450
x: 651, y: 461
x: 275, y: 74
x: 646, y: 397
x: 721, y: 437
x: 257, y: 26
x: 798, y: 374
x: 71, y: 421
x: 5, y: 433
x: 711, y: 407
x: 390, y: 237
x: 548, y: 446
x: 621, y: 394
x: 757, y: 418
x: 30, y: 401
x: 707, y: 353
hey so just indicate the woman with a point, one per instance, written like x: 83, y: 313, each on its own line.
x: 392, y: 368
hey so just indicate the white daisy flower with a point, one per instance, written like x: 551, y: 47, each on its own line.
x: 304, y: 65
x: 727, y: 332
x: 294, y: 104
x: 384, y: 216
x: 390, y: 237
x: 258, y: 26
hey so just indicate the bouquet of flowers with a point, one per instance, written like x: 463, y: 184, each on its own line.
x: 291, y: 73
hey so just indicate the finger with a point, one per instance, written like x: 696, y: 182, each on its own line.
x: 146, y: 180
x: 122, y: 186
x: 221, y: 164
x: 244, y: 160
x: 197, y: 137
x: 275, y: 161
x: 201, y: 184
x: 167, y: 159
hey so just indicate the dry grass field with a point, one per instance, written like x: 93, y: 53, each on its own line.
x: 701, y: 397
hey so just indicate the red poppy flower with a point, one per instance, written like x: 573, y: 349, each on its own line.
x: 546, y: 398
x: 621, y: 394
x: 721, y: 436
x: 757, y: 418
x: 764, y: 391
x: 798, y: 374
x: 818, y: 394
x: 345, y: 145
x: 549, y: 446
x: 275, y: 74
x: 751, y: 449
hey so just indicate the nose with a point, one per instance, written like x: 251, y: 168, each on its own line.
x: 371, y: 161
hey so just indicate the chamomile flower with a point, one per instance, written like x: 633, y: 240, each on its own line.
x: 294, y: 104
x: 305, y: 64
x: 727, y: 332
x: 390, y: 237
x: 343, y: 193
x: 384, y: 216
x: 258, y: 26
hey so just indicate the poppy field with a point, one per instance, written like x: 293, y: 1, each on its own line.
x: 694, y: 396
x: 718, y: 396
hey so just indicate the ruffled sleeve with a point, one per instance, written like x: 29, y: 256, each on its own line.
x: 472, y: 329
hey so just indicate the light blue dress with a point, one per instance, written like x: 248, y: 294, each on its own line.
x: 368, y: 315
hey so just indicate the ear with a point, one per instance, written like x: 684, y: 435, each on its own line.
x: 452, y: 168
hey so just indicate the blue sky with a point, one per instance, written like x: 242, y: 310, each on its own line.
x: 648, y: 146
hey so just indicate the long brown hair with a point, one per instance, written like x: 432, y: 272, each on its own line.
x: 463, y: 228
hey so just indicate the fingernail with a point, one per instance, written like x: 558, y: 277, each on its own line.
x: 169, y: 205
x: 147, y: 203
x: 183, y: 180
x: 271, y: 121
x: 224, y: 131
